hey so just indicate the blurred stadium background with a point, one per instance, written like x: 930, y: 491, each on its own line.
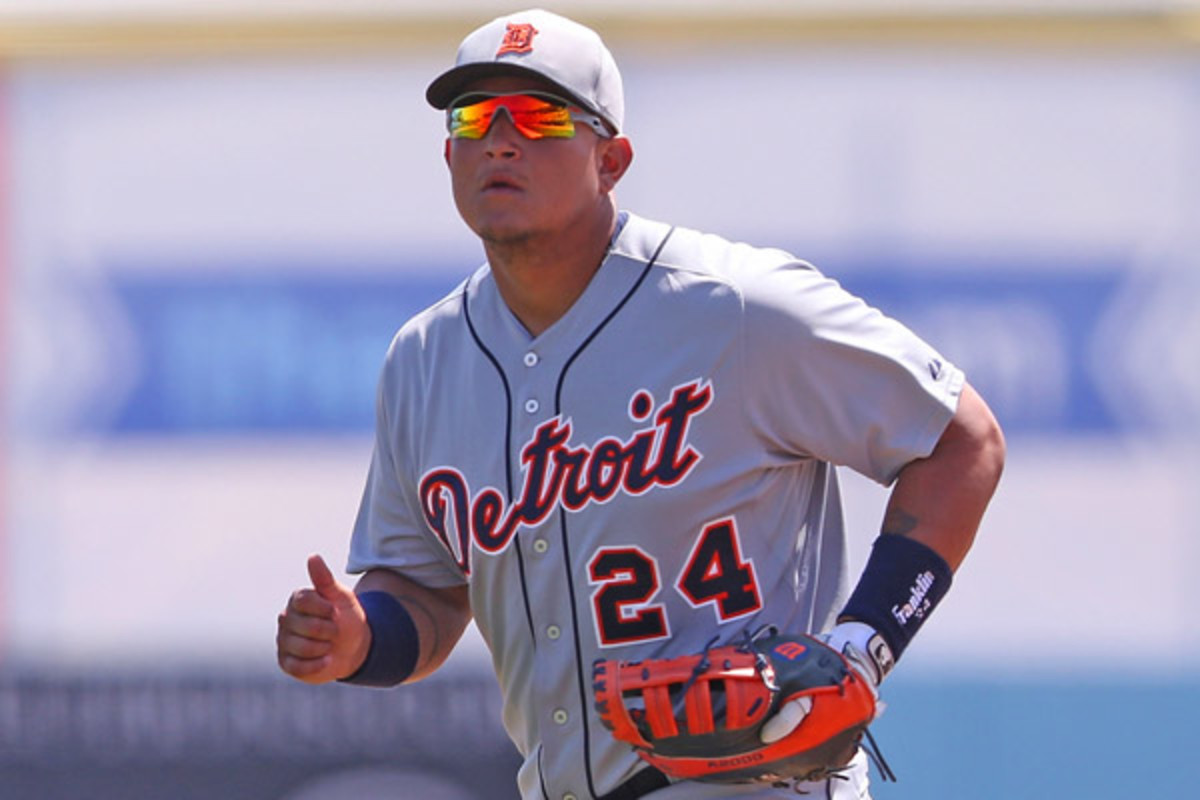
x: 214, y: 214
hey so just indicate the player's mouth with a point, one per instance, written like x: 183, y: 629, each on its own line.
x: 500, y: 183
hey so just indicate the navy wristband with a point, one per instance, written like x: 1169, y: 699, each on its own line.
x: 900, y: 586
x: 392, y: 656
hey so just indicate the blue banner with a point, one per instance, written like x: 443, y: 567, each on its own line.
x: 282, y: 354
x: 259, y: 353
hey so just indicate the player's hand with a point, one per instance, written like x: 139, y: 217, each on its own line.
x: 865, y: 651
x: 323, y: 633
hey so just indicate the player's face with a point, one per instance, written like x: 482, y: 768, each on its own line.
x: 509, y: 188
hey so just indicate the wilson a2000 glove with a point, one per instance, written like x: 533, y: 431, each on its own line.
x: 701, y: 716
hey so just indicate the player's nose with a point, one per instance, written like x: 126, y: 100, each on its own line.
x: 503, y: 140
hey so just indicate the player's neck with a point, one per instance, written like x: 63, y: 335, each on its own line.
x: 541, y: 276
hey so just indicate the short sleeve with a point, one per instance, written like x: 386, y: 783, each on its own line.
x: 830, y: 377
x: 390, y: 530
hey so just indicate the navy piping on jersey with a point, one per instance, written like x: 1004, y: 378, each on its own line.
x: 508, y: 477
x: 583, y: 679
x: 541, y: 773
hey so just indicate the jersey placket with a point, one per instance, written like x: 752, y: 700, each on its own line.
x: 557, y: 714
x: 552, y: 590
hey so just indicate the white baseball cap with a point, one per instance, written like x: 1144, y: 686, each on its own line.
x: 536, y: 42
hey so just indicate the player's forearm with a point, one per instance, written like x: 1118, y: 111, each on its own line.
x: 439, y: 615
x: 940, y: 500
x: 930, y: 523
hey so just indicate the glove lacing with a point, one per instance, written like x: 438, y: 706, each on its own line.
x: 760, y: 661
x: 702, y: 666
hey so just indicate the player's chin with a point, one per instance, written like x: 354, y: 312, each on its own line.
x: 496, y: 199
x: 501, y: 230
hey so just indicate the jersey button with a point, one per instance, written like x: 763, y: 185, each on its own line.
x: 540, y: 545
x: 532, y: 406
x: 553, y: 631
x: 569, y: 796
x: 531, y: 359
x: 561, y: 716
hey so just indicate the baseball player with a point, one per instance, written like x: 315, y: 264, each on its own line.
x: 619, y: 438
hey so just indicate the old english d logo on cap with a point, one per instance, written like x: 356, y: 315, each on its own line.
x: 518, y: 38
x: 570, y: 57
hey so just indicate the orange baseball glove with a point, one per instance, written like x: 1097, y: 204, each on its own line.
x: 700, y: 716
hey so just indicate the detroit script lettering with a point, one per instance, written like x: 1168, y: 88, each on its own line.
x: 557, y: 474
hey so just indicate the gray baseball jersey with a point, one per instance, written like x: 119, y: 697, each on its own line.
x: 654, y: 470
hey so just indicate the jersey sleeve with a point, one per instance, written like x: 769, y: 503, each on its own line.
x: 829, y: 376
x: 389, y: 530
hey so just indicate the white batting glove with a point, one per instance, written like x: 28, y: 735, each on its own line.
x: 868, y: 654
x: 864, y: 648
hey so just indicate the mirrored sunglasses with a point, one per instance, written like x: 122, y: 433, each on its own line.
x: 536, y: 115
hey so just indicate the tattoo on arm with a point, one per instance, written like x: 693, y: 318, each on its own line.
x: 898, y: 521
x: 416, y: 608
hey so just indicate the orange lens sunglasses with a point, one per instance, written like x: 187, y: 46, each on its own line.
x: 536, y: 115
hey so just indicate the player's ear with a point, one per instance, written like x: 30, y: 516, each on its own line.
x: 446, y: 151
x: 613, y: 158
